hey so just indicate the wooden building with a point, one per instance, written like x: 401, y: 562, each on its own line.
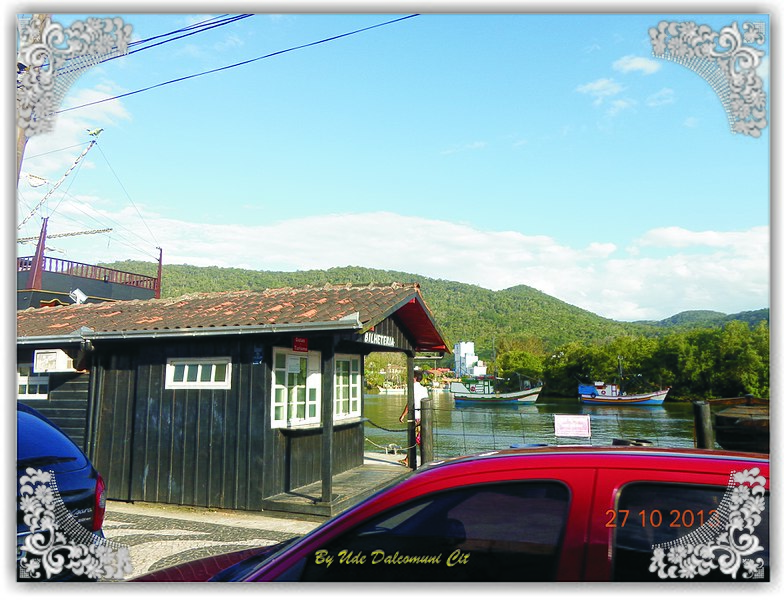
x: 234, y: 400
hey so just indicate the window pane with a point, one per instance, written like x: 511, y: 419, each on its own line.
x: 220, y: 372
x: 280, y: 395
x: 660, y: 513
x: 206, y: 373
x: 192, y: 373
x: 22, y: 388
x: 179, y: 373
x: 496, y: 532
x: 43, y: 388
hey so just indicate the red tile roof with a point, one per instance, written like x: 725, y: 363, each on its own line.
x: 293, y: 308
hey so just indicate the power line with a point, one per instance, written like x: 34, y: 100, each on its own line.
x: 246, y: 62
x: 193, y: 29
x: 187, y: 31
x: 127, y: 195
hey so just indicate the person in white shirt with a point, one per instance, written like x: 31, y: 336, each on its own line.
x: 420, y: 392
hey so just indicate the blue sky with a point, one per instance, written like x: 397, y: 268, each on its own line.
x: 551, y: 150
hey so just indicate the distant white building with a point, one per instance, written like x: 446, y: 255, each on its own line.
x: 467, y: 363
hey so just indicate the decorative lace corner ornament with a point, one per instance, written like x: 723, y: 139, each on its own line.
x: 51, y: 58
x: 57, y: 542
x: 725, y: 542
x: 725, y: 62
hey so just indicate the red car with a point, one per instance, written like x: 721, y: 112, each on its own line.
x: 537, y: 514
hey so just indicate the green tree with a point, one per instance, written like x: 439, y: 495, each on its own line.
x: 522, y: 363
x: 739, y: 363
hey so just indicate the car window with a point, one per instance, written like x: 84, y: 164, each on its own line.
x: 685, y: 521
x: 495, y: 532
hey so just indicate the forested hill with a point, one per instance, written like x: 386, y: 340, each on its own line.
x: 463, y: 312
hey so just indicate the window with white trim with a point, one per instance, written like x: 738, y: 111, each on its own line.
x: 296, y: 388
x: 347, y: 386
x: 31, y: 386
x: 199, y: 373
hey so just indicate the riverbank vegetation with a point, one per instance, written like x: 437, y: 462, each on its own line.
x: 716, y: 362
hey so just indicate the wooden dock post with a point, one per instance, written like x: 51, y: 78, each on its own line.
x: 703, y: 426
x: 426, y: 431
x: 327, y: 417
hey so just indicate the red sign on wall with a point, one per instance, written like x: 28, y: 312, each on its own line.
x: 300, y: 344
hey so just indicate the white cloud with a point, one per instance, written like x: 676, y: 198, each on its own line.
x: 631, y: 63
x: 465, y: 147
x: 678, y: 237
x: 600, y: 89
x: 660, y: 98
x: 617, y: 106
x: 70, y: 128
x: 729, y: 274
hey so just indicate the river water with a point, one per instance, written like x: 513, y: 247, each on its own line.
x: 464, y: 429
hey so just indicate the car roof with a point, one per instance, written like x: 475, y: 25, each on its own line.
x: 41, y: 444
x: 598, y: 451
x: 586, y: 456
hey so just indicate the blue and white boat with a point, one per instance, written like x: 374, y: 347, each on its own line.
x: 599, y: 392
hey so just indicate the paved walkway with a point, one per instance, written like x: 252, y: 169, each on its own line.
x: 163, y: 535
x: 159, y: 536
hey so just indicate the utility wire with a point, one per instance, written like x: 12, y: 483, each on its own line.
x: 127, y: 195
x: 246, y: 62
x: 199, y: 28
x: 186, y: 31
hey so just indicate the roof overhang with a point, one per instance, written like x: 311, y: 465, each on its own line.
x: 350, y: 323
x: 416, y: 318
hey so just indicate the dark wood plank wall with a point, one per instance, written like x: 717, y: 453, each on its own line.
x: 114, y: 445
x: 198, y: 447
x: 67, y: 404
x: 392, y: 328
x: 303, y: 454
x: 212, y: 448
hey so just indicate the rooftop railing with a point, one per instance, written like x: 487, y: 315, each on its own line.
x: 98, y: 273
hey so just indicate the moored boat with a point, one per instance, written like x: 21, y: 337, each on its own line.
x: 602, y: 393
x: 483, y: 391
x: 391, y: 390
x: 742, y: 423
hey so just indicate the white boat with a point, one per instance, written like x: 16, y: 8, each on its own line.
x: 482, y: 390
x: 391, y: 390
x: 611, y: 393
x: 601, y: 393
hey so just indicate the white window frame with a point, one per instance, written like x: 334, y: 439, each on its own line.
x: 31, y: 378
x: 348, y: 394
x: 215, y: 364
x: 298, y: 404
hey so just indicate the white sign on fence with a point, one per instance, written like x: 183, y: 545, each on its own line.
x: 572, y: 425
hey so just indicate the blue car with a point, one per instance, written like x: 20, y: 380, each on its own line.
x: 61, y: 503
